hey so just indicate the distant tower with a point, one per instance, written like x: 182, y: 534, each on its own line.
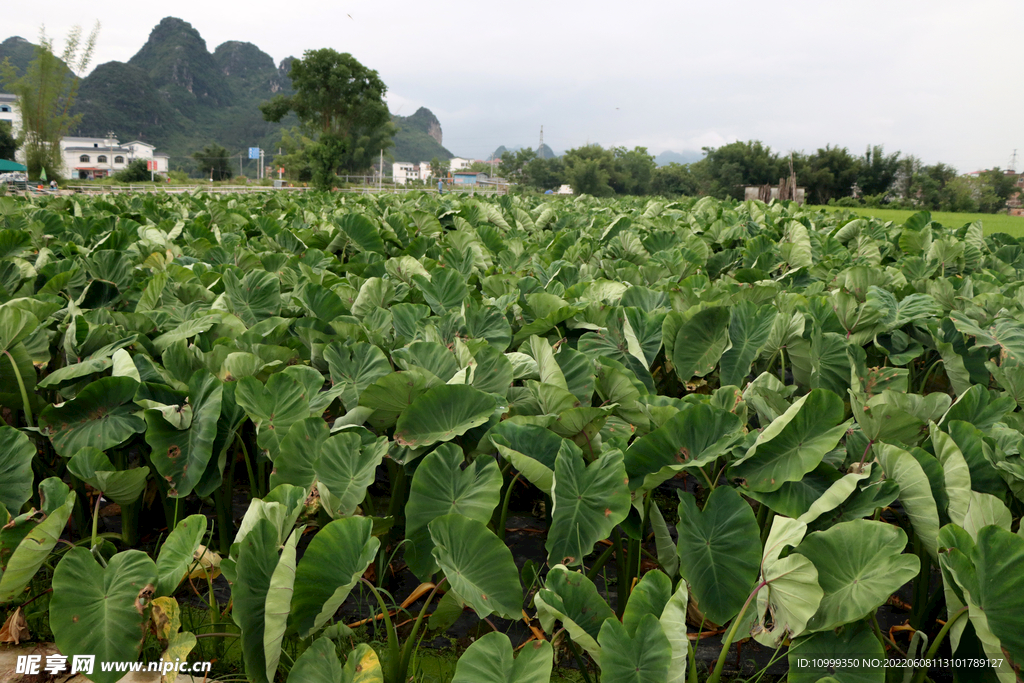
x: 1013, y: 162
x: 540, y: 145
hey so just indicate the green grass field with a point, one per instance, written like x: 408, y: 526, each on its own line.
x: 993, y: 222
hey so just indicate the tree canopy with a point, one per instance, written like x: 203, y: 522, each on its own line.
x: 46, y: 93
x: 213, y: 159
x: 340, y: 105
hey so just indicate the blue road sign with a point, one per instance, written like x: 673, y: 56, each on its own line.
x: 254, y: 152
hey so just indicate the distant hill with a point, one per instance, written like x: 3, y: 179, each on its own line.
x: 667, y: 157
x: 418, y: 138
x: 19, y: 51
x: 177, y: 95
x: 544, y: 152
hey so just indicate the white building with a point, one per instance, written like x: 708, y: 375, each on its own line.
x: 9, y: 112
x: 404, y: 171
x: 91, y: 158
x: 458, y: 163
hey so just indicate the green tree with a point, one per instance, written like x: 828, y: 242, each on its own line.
x: 135, y: 172
x: 512, y: 165
x: 295, y: 160
x: 827, y: 174
x: 877, y: 171
x: 729, y: 169
x: 8, y: 145
x: 439, y: 167
x: 635, y: 169
x: 545, y: 174
x: 589, y: 169
x: 996, y: 187
x: 673, y: 180
x: 46, y: 95
x: 213, y: 160
x: 340, y: 104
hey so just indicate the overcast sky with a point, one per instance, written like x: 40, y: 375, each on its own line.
x: 940, y: 79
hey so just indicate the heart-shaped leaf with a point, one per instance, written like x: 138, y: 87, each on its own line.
x: 442, y: 486
x: 441, y: 414
x: 478, y: 566
x: 719, y: 551
x: 490, y: 660
x: 101, y: 416
x: 588, y: 501
x: 94, y: 468
x: 181, y: 455
x: 101, y: 611
x: 331, y: 565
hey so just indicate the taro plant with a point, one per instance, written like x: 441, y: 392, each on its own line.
x: 765, y: 422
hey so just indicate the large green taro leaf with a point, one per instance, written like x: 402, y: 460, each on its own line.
x: 299, y: 450
x: 795, y: 443
x: 101, y: 416
x: 441, y: 414
x: 389, y: 396
x: 433, y: 357
x: 650, y: 596
x: 791, y: 594
x: 345, y: 469
x: 915, y: 493
x: 95, y: 469
x: 278, y: 603
x: 531, y: 449
x: 640, y: 658
x: 445, y: 290
x: 1005, y: 333
x: 257, y: 560
x: 256, y: 297
x: 809, y: 656
x: 361, y: 230
x: 693, y: 437
x: 32, y: 547
x: 102, y: 611
x: 331, y: 565
x: 355, y: 366
x: 478, y: 565
x: 571, y: 598
x: 274, y: 408
x: 490, y: 660
x: 719, y: 551
x: 749, y: 326
x: 998, y: 557
x: 872, y: 568
x: 177, y: 553
x: 181, y: 455
x: 16, y: 453
x: 319, y: 663
x: 700, y: 342
x: 588, y: 501
x: 442, y: 486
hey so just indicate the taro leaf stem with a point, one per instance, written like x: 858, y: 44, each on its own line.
x: 717, y: 675
x: 21, y: 387
x: 411, y: 641
x: 934, y: 649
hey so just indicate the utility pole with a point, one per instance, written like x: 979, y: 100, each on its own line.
x: 380, y: 184
x: 239, y: 163
x: 261, y: 163
x: 110, y: 153
x: 540, y: 145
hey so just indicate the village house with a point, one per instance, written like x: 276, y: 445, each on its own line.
x: 92, y: 158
